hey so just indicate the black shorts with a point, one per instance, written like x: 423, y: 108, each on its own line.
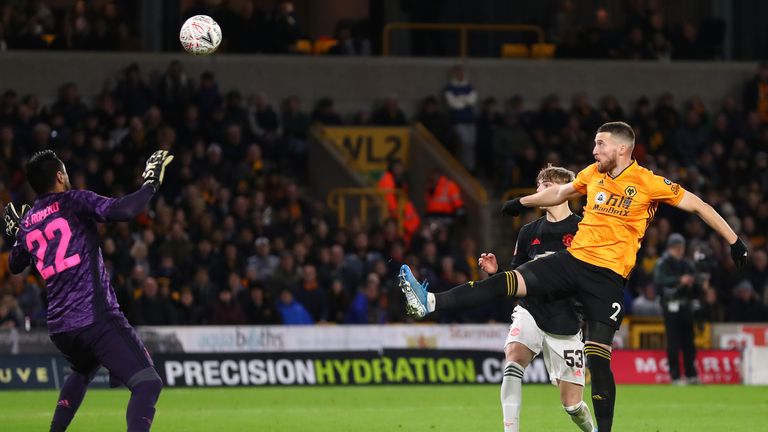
x: 112, y: 343
x: 600, y: 290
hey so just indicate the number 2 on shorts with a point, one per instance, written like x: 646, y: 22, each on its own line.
x: 618, y: 309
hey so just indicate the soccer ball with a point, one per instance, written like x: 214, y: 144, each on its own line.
x: 200, y: 35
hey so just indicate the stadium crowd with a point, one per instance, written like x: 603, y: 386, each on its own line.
x: 233, y: 239
x: 640, y: 31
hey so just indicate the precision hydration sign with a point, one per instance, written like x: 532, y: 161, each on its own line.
x: 339, y: 368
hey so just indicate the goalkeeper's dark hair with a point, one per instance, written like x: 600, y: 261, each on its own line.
x: 555, y: 174
x: 41, y: 171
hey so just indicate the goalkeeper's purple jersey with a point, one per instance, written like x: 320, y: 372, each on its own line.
x: 60, y: 234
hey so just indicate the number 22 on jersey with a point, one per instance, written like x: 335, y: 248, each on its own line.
x: 37, y: 243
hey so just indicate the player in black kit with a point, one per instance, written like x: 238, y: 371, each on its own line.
x: 551, y: 327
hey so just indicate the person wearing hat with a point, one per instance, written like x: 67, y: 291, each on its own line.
x: 675, y: 280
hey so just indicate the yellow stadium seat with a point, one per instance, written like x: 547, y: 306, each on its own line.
x: 322, y: 46
x: 514, y: 50
x: 303, y: 46
x: 542, y: 50
x: 48, y: 38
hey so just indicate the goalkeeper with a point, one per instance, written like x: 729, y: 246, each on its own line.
x: 58, y: 235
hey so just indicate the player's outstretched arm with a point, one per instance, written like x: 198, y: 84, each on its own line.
x: 129, y: 206
x: 545, y: 198
x: 693, y: 204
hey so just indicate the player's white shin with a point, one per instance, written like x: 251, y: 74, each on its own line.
x: 512, y: 396
x: 581, y: 415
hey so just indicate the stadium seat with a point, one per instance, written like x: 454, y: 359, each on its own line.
x: 542, y: 50
x: 303, y: 46
x: 322, y: 46
x: 514, y: 50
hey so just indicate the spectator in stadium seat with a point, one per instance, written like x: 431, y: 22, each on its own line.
x: 190, y: 127
x: 636, y: 47
x: 337, y: 302
x: 509, y: 143
x: 755, y: 93
x: 551, y: 117
x: 487, y: 124
x: 295, y: 121
x: 151, y: 308
x: 346, y: 44
x: 175, y: 91
x: 461, y: 98
x: 264, y: 262
x: 325, y: 113
x: 688, y: 44
x: 285, y: 276
x: 11, y: 315
x: 234, y: 145
x: 564, y: 28
x: 177, y: 244
x: 610, y: 109
x: 389, y: 114
x: 258, y: 309
x: 207, y: 97
x: 69, y: 104
x: 437, y: 122
x: 77, y: 26
x: 690, y: 138
x: 282, y: 29
x: 291, y: 311
x: 133, y: 92
x: 711, y: 306
x: 262, y: 118
x: 227, y: 311
x: 581, y: 107
x: 248, y: 29
x: 647, y: 303
x: 188, y: 312
x: 203, y: 287
x: 366, y: 306
x: 745, y: 305
x: 311, y: 293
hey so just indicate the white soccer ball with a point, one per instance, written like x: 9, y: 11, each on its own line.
x: 200, y: 35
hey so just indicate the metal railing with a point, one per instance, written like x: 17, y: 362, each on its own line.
x: 650, y: 333
x: 373, y: 196
x: 463, y: 30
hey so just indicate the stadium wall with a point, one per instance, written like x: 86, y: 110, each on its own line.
x: 355, y: 83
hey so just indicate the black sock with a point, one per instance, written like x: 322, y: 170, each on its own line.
x: 478, y: 292
x: 603, y: 385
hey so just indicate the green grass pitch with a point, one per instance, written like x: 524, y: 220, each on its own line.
x: 394, y: 408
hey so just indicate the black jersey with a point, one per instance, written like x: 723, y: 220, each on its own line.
x: 540, y: 238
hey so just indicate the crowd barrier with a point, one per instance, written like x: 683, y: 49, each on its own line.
x: 365, y: 355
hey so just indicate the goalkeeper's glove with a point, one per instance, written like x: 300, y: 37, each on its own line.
x: 512, y: 207
x: 155, y: 168
x: 13, y: 217
x: 739, y: 252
